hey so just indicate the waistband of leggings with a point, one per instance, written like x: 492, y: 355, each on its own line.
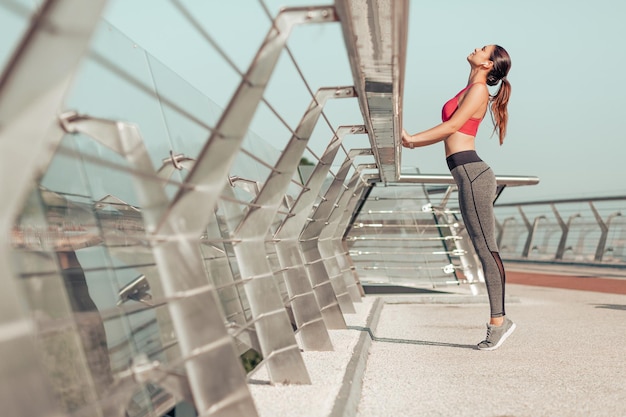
x: 462, y: 158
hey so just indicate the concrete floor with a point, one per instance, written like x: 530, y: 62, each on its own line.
x: 566, y: 358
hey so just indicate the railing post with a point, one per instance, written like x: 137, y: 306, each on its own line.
x: 309, y: 239
x: 273, y: 329
x: 604, y: 231
x: 565, y: 227
x: 334, y: 228
x: 531, y: 231
x: 313, y: 332
x: 29, y: 132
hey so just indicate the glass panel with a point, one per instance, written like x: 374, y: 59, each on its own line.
x: 115, y: 82
x: 189, y: 116
x: 395, y: 241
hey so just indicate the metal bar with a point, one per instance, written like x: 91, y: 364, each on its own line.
x: 402, y: 239
x: 508, y: 180
x: 310, y: 234
x: 290, y: 257
x: 274, y: 331
x: 286, y: 236
x: 330, y: 238
x: 32, y: 88
x: 604, y: 231
x: 565, y: 227
x: 565, y: 201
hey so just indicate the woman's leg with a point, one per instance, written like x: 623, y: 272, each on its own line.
x: 477, y: 187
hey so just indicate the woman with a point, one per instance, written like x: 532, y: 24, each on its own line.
x: 476, y: 182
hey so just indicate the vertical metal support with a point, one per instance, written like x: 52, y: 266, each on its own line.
x: 319, y: 307
x: 604, y: 231
x: 330, y: 244
x: 194, y: 307
x: 274, y: 330
x: 310, y: 234
x: 531, y: 231
x: 565, y: 227
x: 326, y: 242
x: 31, y: 91
x: 220, y: 268
x: 342, y: 253
x: 560, y: 249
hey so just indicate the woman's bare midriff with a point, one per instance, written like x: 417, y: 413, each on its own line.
x: 459, y: 142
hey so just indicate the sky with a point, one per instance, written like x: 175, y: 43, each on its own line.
x: 566, y: 108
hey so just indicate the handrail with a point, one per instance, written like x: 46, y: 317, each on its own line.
x: 507, y: 180
x: 563, y: 201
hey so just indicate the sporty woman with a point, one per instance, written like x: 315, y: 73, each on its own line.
x: 475, y: 180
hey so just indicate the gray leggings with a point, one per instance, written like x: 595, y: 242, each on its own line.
x: 477, y: 190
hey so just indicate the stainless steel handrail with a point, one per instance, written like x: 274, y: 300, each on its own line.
x: 507, y: 180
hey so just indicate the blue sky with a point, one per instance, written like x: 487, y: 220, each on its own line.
x: 567, y: 101
x: 568, y: 90
x: 566, y: 105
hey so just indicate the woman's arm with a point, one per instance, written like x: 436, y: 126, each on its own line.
x: 475, y: 98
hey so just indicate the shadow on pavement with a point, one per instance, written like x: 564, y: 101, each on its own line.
x: 410, y: 341
x: 611, y: 306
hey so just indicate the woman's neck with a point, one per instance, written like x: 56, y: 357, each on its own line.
x: 477, y: 76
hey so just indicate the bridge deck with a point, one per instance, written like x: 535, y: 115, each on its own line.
x: 415, y: 355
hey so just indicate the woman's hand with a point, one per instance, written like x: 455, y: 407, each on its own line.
x: 406, y: 140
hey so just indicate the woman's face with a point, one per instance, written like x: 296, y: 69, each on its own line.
x: 481, y: 55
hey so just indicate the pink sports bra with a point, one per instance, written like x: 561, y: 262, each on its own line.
x: 471, y: 126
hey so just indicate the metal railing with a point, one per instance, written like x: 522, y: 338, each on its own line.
x: 583, y: 231
x: 151, y: 240
x: 155, y: 239
x: 411, y: 233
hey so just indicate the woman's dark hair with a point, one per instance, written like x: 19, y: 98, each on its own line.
x: 501, y: 65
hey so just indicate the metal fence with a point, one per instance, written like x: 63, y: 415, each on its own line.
x: 152, y: 242
x: 155, y: 241
x: 411, y: 233
x: 585, y: 231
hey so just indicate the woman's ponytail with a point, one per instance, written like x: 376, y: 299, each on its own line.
x: 499, y: 110
x: 499, y: 113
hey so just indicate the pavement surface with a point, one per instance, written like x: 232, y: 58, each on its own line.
x: 415, y: 355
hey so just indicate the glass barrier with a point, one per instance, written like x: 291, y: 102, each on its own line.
x: 148, y: 270
x: 83, y: 245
